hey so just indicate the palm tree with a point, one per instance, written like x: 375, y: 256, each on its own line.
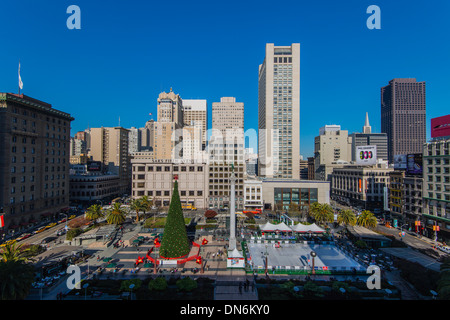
x: 14, y: 252
x: 16, y: 277
x: 137, y: 205
x: 322, y: 212
x: 146, y: 204
x: 94, y: 212
x: 346, y: 217
x: 116, y: 215
x: 367, y: 219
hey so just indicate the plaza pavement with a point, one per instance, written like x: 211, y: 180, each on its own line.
x: 227, y: 280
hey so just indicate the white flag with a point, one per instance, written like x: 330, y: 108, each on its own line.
x: 20, y: 80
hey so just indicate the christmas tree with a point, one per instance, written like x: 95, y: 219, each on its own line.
x: 175, y: 243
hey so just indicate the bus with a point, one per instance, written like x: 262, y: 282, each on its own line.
x: 255, y: 211
x: 188, y: 206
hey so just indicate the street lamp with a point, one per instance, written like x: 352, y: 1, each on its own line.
x: 131, y: 291
x: 266, y: 254
x: 313, y: 255
x: 85, y: 290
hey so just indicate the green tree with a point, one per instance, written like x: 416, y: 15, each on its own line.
x: 16, y: 277
x: 158, y: 284
x: 146, y: 204
x: 116, y: 215
x: 125, y: 284
x: 14, y: 252
x: 137, y: 205
x: 443, y: 284
x: 94, y: 212
x: 72, y: 233
x: 186, y: 284
x: 346, y: 217
x: 367, y: 219
x: 294, y: 209
x: 175, y: 242
x: 322, y: 212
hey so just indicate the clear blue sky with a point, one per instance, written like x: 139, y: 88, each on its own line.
x: 127, y: 52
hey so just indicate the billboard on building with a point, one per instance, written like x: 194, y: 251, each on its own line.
x: 94, y: 166
x: 414, y: 163
x: 400, y: 161
x: 366, y: 155
x: 440, y: 127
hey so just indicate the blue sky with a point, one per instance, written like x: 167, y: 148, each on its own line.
x: 127, y: 52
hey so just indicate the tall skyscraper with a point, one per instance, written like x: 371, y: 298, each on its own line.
x: 167, y: 130
x: 195, y: 115
x: 279, y: 112
x: 226, y: 151
x: 228, y: 115
x: 109, y: 145
x: 403, y: 116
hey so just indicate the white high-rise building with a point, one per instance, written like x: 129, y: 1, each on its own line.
x: 279, y: 112
x: 195, y: 115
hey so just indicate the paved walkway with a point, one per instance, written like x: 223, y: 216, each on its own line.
x: 231, y: 284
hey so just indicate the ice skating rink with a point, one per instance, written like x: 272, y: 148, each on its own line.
x: 298, y: 256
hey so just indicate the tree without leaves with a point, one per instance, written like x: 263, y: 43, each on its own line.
x: 210, y: 214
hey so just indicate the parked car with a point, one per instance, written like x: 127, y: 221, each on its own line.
x: 24, y: 236
x: 60, y: 232
x: 47, y: 240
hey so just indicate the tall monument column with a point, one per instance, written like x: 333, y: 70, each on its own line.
x: 232, y: 241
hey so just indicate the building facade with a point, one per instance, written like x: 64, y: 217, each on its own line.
x: 436, y: 188
x: 109, y: 145
x: 403, y: 116
x: 283, y: 192
x: 279, y: 112
x: 332, y: 148
x: 368, y: 138
x: 154, y: 178
x: 361, y: 186
x: 167, y: 131
x: 34, y: 162
x: 226, y: 153
x: 195, y: 114
x: 253, y: 196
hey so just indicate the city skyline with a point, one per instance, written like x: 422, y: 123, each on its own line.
x: 116, y: 63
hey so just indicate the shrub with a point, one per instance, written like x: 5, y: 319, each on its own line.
x: 186, y: 284
x: 361, y: 244
x: 125, y: 285
x: 158, y: 284
x: 72, y: 233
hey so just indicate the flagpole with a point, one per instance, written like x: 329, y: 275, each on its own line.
x: 19, y: 78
